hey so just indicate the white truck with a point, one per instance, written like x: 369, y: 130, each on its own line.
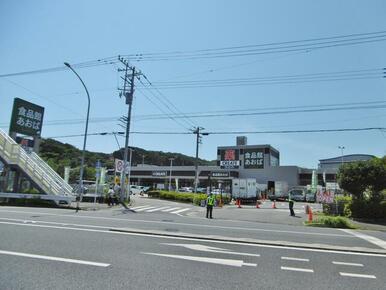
x: 245, y: 189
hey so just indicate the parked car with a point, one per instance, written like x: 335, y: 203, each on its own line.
x: 201, y: 189
x: 311, y: 196
x: 136, y: 189
x: 297, y: 194
x: 186, y: 189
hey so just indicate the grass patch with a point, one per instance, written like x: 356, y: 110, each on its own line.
x: 332, y: 222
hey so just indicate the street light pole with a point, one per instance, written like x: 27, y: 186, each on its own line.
x: 170, y: 174
x: 84, y: 140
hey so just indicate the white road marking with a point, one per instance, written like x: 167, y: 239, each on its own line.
x: 170, y: 209
x: 297, y: 269
x: 357, y: 275
x: 204, y: 248
x: 380, y: 243
x: 77, y: 216
x: 226, y: 262
x: 180, y: 210
x: 347, y: 264
x: 138, y: 207
x: 54, y: 258
x: 145, y: 208
x: 189, y: 239
x: 295, y: 259
x: 157, y: 209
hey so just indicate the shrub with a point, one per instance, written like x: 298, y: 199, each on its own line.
x: 333, y: 222
x: 194, y: 198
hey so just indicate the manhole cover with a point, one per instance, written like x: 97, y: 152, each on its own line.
x: 35, y: 216
x: 168, y: 221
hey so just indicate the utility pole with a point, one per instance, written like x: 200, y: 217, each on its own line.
x: 170, y: 174
x: 128, y: 93
x: 341, y: 148
x: 198, y: 141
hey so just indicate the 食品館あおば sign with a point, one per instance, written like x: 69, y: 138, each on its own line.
x: 253, y: 158
x: 27, y: 118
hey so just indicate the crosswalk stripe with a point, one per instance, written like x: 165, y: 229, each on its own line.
x: 181, y: 210
x: 170, y: 209
x: 137, y: 207
x: 145, y: 208
x: 157, y: 209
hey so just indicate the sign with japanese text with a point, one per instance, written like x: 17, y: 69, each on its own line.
x: 27, y: 118
x: 254, y: 158
x: 159, y: 173
x: 220, y: 174
x: 229, y: 159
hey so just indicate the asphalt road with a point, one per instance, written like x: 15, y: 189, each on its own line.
x: 36, y: 243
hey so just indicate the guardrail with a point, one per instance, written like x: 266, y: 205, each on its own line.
x: 56, y: 198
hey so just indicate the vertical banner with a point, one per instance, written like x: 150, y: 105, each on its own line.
x: 67, y: 174
x: 103, y: 175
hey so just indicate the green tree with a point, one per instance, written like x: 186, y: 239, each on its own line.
x: 361, y: 176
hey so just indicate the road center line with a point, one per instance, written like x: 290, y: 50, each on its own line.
x: 380, y: 243
x: 357, y: 275
x: 76, y: 216
x: 295, y: 259
x: 193, y: 239
x: 297, y: 269
x: 347, y: 264
x: 50, y: 258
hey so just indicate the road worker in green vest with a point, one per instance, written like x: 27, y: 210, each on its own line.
x: 209, y: 205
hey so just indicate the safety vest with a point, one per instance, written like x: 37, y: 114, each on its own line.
x: 210, y: 200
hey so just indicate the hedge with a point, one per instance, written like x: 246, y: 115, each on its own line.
x: 332, y: 222
x: 188, y: 197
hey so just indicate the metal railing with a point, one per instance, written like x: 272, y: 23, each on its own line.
x: 32, y: 165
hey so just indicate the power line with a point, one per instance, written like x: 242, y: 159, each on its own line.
x: 231, y: 132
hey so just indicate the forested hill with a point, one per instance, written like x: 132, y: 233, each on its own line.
x: 58, y: 155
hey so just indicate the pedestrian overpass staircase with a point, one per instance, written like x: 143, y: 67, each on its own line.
x: 33, y: 166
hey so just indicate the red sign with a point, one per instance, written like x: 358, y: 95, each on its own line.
x: 230, y: 154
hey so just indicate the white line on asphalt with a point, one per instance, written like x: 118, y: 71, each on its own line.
x: 295, y: 259
x: 138, y: 207
x: 76, y: 216
x: 180, y: 210
x: 156, y: 209
x: 297, y: 269
x: 204, y: 248
x: 54, y: 258
x: 380, y: 243
x: 357, y: 275
x: 226, y: 262
x: 192, y: 239
x: 170, y: 209
x: 347, y: 264
x: 145, y: 208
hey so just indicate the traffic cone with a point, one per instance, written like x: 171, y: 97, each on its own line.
x: 257, y: 204
x: 310, y: 215
x: 274, y: 204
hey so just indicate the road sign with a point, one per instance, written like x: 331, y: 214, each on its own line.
x: 118, y: 165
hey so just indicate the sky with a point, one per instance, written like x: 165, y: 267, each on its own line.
x: 44, y: 34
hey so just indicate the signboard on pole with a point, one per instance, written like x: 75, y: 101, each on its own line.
x: 27, y: 118
x: 119, y: 166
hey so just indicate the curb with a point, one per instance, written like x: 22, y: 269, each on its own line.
x: 249, y: 241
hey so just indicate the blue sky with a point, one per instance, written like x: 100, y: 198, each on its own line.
x: 44, y: 34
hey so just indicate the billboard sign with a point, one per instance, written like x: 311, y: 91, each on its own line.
x: 220, y: 174
x: 229, y: 159
x: 27, y: 118
x: 254, y: 158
